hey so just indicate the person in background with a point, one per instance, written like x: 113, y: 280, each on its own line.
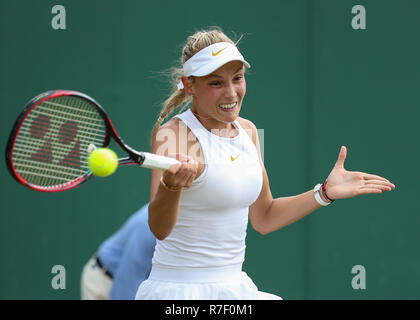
x: 122, y: 261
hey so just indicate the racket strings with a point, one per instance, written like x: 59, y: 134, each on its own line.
x: 52, y: 145
x: 62, y: 138
x: 60, y: 116
x: 45, y: 154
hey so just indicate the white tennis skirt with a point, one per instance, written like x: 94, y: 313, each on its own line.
x: 221, y: 283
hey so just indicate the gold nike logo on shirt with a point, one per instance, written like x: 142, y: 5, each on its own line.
x: 234, y: 158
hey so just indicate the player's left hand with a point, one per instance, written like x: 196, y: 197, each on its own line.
x: 343, y: 184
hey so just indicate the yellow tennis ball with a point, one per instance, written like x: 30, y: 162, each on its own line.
x: 102, y: 162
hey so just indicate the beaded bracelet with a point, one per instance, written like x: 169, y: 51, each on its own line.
x: 324, y: 189
x: 168, y: 187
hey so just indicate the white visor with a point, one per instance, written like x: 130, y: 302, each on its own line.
x: 210, y: 59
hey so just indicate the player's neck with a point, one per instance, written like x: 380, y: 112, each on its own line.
x: 217, y: 127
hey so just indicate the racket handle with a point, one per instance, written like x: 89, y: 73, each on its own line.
x: 154, y: 161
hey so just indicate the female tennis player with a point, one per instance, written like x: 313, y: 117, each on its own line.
x: 199, y: 209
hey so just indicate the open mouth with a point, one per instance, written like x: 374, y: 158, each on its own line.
x: 228, y: 107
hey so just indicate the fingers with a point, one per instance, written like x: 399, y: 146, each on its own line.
x: 181, y: 175
x: 341, y: 157
x: 385, y: 185
x: 374, y: 180
x: 193, y: 172
x: 173, y: 169
x: 373, y: 188
x: 367, y: 176
x: 369, y: 190
x: 176, y: 167
x: 376, y: 186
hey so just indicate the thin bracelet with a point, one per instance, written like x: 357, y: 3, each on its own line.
x: 168, y: 187
x: 325, y: 191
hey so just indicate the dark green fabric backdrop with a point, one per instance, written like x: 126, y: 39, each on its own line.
x: 315, y: 84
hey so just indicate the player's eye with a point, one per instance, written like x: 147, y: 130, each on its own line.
x: 215, y: 83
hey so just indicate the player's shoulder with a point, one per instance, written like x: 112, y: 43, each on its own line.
x: 246, y: 124
x: 168, y: 133
x: 174, y: 124
x: 249, y: 128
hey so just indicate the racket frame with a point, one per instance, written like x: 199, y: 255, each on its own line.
x: 135, y: 157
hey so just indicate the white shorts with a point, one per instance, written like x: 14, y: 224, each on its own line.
x: 221, y: 283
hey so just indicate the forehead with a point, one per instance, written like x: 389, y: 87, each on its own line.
x: 229, y: 68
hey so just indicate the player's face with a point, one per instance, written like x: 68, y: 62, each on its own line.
x: 218, y: 96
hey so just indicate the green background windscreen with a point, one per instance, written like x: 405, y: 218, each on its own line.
x: 316, y: 83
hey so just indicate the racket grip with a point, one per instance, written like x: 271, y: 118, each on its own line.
x: 154, y: 161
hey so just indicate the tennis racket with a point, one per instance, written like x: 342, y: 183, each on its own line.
x: 52, y: 137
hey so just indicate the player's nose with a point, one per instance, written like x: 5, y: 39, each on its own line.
x: 230, y: 91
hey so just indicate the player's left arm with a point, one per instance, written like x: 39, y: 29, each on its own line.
x: 268, y: 214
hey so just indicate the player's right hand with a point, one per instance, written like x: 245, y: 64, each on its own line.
x: 181, y: 175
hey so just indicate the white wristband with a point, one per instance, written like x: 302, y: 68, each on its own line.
x: 318, y: 197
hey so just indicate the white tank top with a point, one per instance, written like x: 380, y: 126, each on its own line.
x: 213, y: 216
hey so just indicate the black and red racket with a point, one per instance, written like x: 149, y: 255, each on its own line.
x: 52, y: 137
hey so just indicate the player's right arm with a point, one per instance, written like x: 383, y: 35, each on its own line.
x: 164, y: 203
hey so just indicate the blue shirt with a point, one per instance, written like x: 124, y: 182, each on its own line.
x: 127, y: 254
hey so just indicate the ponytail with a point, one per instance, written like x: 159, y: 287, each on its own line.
x: 177, y: 99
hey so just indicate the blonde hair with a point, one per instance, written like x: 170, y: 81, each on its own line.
x: 196, y: 42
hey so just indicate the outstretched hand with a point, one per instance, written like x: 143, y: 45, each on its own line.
x: 343, y: 184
